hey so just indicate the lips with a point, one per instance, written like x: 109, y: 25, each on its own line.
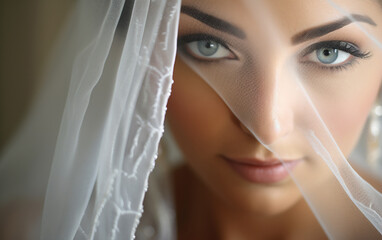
x: 262, y: 171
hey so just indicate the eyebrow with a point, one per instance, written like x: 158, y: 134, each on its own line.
x: 327, y: 28
x: 213, y: 22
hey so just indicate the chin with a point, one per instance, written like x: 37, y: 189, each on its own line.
x: 269, y: 206
x: 258, y: 199
x: 272, y: 206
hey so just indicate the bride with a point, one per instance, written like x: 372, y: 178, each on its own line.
x: 235, y: 186
x: 270, y: 99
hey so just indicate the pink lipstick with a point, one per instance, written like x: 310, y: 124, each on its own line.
x: 262, y: 171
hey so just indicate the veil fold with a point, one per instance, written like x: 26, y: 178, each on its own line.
x: 82, y: 157
x: 96, y: 139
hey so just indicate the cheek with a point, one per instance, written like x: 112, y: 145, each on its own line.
x: 188, y: 120
x: 196, y: 115
x: 346, y: 119
x: 347, y: 123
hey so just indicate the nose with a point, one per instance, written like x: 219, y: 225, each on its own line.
x: 270, y: 116
x: 269, y: 129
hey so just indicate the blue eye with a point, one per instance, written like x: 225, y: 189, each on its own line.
x: 205, y: 47
x: 332, y: 54
x: 208, y: 49
x: 327, y: 55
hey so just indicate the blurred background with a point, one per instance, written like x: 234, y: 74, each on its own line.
x: 28, y: 30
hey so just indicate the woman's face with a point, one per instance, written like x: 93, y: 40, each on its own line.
x: 240, y: 70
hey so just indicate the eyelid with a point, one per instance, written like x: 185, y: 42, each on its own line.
x: 355, y: 53
x: 199, y: 37
x: 348, y: 47
x: 186, y: 39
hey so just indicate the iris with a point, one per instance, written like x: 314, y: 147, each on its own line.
x: 327, y: 55
x: 208, y: 47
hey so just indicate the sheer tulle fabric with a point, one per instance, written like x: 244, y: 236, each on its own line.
x: 86, y: 150
x: 91, y: 139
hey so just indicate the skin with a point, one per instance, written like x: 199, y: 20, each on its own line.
x: 213, y: 201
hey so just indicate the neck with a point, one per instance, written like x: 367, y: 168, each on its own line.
x: 291, y: 224
x: 201, y: 214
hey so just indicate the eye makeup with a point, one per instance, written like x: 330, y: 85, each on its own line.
x: 352, y: 49
x: 339, y: 46
x: 185, y: 41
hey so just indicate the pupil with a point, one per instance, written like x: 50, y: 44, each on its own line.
x: 209, y: 45
x: 327, y: 52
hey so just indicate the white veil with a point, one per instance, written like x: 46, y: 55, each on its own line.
x: 93, y: 133
x: 82, y: 158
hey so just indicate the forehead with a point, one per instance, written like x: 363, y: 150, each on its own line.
x: 286, y: 17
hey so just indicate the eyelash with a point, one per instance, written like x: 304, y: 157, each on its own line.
x: 184, y: 40
x: 344, y: 46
